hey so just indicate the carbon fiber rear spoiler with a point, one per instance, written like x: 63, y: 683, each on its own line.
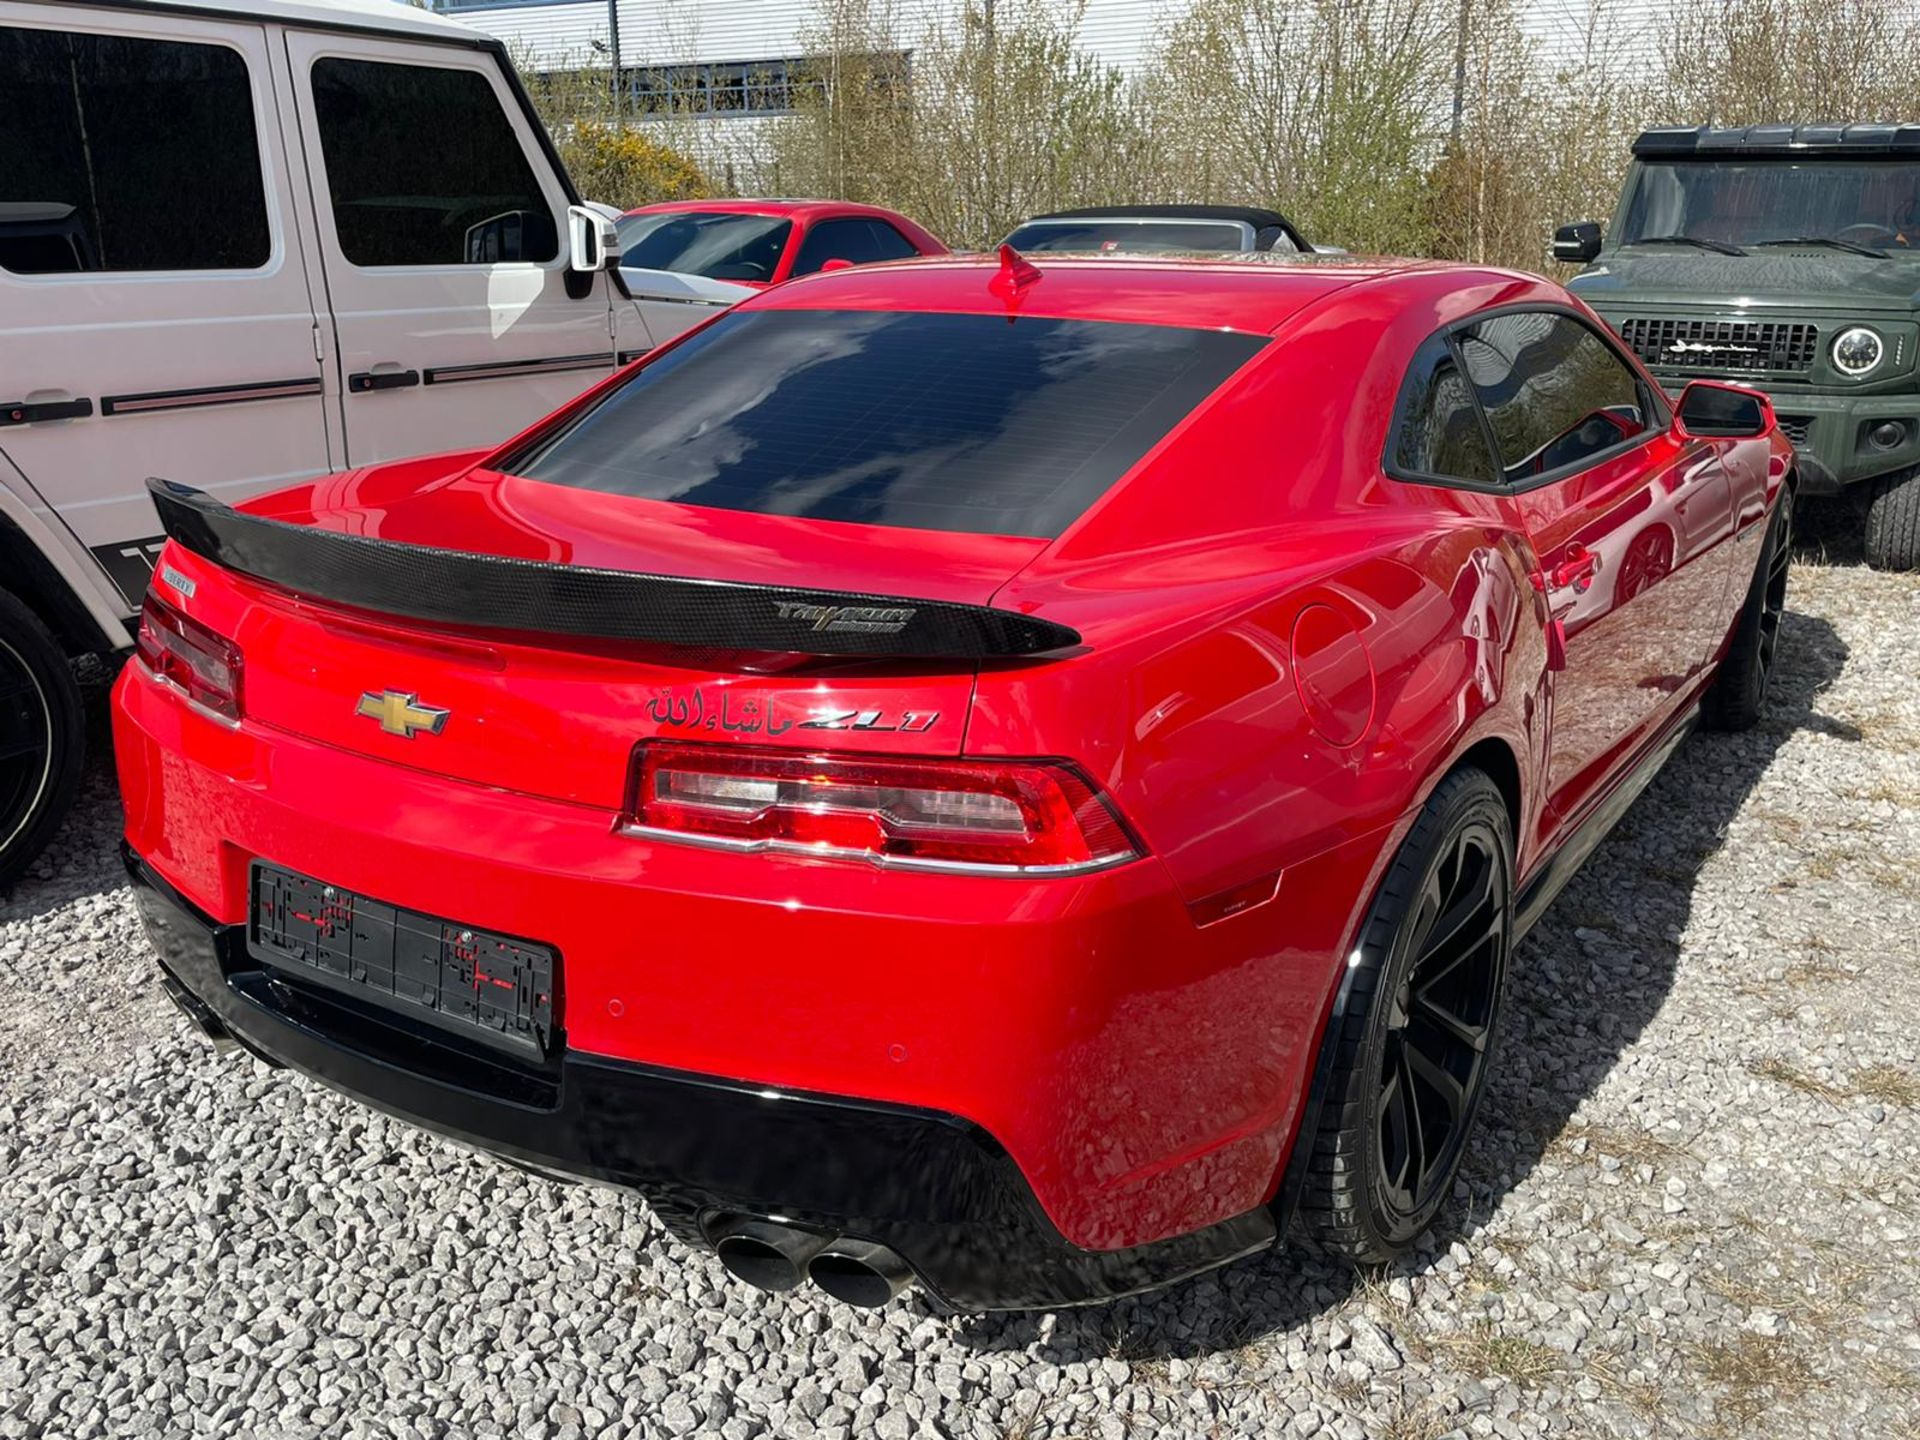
x: 457, y: 587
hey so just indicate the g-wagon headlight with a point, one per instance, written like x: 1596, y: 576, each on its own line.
x: 1858, y: 351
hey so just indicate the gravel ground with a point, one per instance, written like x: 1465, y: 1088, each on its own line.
x: 1693, y: 1207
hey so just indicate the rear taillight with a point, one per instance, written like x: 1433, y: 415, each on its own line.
x: 1017, y: 816
x: 180, y: 650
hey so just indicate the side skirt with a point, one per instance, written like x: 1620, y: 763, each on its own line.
x: 1550, y: 879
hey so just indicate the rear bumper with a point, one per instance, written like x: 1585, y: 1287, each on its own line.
x: 1098, y: 1094
x: 936, y: 1189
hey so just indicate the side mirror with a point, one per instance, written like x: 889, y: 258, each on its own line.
x: 836, y: 264
x: 592, y: 242
x: 1709, y: 409
x: 1577, y: 244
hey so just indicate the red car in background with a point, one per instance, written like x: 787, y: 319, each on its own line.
x: 1022, y: 778
x: 680, y: 259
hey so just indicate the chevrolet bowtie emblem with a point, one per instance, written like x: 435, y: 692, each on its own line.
x: 401, y: 714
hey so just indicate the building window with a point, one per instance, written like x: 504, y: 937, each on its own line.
x: 753, y: 87
x: 731, y: 89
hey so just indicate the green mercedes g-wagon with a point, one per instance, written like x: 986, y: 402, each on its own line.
x: 1788, y: 258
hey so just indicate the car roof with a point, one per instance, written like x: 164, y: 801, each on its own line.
x: 812, y: 209
x: 377, y: 15
x: 1796, y: 141
x: 1244, y: 214
x: 1254, y: 292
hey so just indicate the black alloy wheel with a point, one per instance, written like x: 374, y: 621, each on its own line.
x: 1440, y: 1022
x: 1773, y: 599
x: 1738, y: 696
x: 42, y: 736
x: 1412, y: 1039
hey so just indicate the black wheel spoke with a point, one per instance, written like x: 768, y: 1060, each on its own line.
x: 1397, y: 1138
x: 1462, y: 1030
x: 1427, y: 911
x: 1451, y: 1092
x: 1456, y: 935
x: 1416, y: 1168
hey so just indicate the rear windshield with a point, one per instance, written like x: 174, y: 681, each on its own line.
x: 1128, y: 237
x: 973, y: 423
x: 720, y: 246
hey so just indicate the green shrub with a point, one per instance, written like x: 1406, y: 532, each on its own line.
x: 624, y: 166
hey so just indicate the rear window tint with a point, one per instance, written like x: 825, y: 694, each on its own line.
x: 972, y: 423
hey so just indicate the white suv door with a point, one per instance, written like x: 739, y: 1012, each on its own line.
x: 443, y: 239
x: 155, y: 316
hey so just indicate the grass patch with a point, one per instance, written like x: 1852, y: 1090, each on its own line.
x: 1752, y: 1372
x: 1794, y: 1078
x: 1894, y: 792
x: 1886, y: 1083
x: 1642, y: 1397
x: 1828, y: 864
x: 1886, y: 729
x: 1825, y: 1300
x: 1483, y: 1350
x: 1629, y: 1146
x: 1887, y: 1373
x: 1423, y: 1421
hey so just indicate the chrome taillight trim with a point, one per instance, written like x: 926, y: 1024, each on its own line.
x: 634, y: 831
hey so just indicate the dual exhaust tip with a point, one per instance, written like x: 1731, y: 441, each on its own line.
x: 775, y: 1257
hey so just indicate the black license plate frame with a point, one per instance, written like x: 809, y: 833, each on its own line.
x: 496, y: 990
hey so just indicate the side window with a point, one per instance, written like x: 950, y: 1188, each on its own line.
x: 1554, y: 393
x: 1439, y: 431
x: 424, y: 168
x: 124, y: 154
x: 857, y: 241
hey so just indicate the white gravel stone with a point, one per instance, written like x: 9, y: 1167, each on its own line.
x: 1699, y: 1161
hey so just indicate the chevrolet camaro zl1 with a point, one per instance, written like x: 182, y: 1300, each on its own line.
x: 1021, y: 778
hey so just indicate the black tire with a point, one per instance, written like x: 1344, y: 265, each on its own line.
x: 1893, y: 521
x: 42, y: 736
x: 1359, y: 1199
x: 1738, y: 696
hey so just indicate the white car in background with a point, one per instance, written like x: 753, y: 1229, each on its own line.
x: 233, y: 254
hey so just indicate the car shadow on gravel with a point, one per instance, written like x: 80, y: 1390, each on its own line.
x: 83, y: 857
x: 1586, y: 982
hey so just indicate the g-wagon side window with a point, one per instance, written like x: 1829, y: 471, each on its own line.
x: 127, y: 154
x: 1440, y: 433
x: 423, y: 168
x: 1555, y: 394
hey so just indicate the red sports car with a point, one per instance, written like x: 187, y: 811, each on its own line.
x: 758, y: 243
x: 682, y: 259
x: 1022, y: 778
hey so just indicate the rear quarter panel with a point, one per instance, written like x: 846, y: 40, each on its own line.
x: 1269, y: 698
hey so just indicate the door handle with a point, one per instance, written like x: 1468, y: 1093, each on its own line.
x: 20, y: 412
x: 362, y: 381
x: 1576, y: 571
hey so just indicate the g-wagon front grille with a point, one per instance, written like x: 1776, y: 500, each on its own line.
x: 1738, y: 346
x: 1796, y: 427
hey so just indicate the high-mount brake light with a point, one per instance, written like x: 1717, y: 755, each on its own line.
x: 201, y: 663
x: 1015, y: 817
